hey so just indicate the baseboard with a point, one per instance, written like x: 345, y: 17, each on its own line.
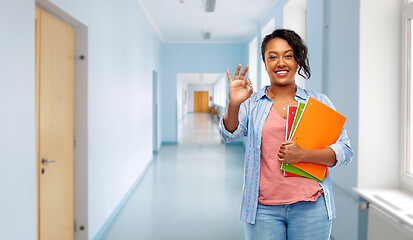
x: 235, y: 143
x: 121, y: 204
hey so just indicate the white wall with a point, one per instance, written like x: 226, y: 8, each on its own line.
x: 182, y: 100
x: 379, y: 120
x: 341, y: 84
x: 341, y: 53
x: 17, y: 107
x: 123, y: 50
x: 315, y: 43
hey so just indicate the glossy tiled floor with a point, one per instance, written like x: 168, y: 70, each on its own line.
x: 191, y: 191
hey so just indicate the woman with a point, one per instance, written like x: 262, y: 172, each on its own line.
x: 274, y: 206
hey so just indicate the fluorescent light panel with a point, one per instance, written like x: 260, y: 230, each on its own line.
x: 207, y: 35
x: 209, y: 5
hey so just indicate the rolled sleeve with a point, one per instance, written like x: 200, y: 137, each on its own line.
x: 242, y: 128
x: 226, y: 135
x: 342, y: 149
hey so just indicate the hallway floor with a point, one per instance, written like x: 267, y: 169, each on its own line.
x: 191, y: 191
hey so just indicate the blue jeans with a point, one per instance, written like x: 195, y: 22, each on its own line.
x: 297, y: 221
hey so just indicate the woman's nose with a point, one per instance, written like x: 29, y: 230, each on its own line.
x: 281, y: 62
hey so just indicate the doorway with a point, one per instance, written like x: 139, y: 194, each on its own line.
x: 55, y: 70
x: 201, y: 101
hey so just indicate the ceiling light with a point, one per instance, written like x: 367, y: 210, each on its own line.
x: 209, y: 5
x: 206, y: 34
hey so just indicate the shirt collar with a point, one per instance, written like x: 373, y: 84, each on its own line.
x: 300, y: 93
x: 261, y: 93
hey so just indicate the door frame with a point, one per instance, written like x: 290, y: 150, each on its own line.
x: 80, y: 121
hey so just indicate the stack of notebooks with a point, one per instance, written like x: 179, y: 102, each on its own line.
x: 312, y: 125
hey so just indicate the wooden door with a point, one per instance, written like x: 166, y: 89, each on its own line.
x: 55, y: 56
x: 204, y: 103
x: 201, y: 101
x: 196, y: 101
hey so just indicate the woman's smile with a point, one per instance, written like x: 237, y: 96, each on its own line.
x: 282, y: 73
x: 280, y: 62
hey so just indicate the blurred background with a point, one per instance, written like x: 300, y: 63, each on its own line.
x: 110, y: 112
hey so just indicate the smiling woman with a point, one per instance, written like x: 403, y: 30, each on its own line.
x: 269, y: 208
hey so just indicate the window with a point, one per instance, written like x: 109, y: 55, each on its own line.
x: 220, y: 91
x: 253, y: 63
x: 295, y: 18
x: 267, y: 29
x: 407, y: 96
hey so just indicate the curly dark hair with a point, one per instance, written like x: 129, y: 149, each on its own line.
x: 299, y: 48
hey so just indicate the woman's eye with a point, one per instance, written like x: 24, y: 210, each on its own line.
x: 288, y: 56
x: 272, y: 57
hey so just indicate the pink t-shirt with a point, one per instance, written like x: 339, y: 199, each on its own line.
x: 275, y: 189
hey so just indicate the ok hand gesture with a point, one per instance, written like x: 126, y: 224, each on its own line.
x: 238, y: 92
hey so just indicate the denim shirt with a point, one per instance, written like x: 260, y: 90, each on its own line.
x: 252, y: 115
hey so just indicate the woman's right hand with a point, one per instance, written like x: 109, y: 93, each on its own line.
x: 238, y: 92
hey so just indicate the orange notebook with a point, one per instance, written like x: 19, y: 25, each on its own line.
x: 291, y: 111
x: 319, y: 127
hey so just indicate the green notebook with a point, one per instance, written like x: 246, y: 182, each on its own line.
x: 289, y: 167
x: 293, y: 169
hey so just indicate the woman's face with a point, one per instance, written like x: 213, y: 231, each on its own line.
x: 280, y: 63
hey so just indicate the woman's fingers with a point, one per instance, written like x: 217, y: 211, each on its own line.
x: 281, y: 151
x: 281, y: 156
x: 236, y: 76
x: 248, y: 82
x: 243, y: 72
x: 250, y: 90
x: 229, y: 76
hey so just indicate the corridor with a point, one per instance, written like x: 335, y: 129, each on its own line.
x: 191, y: 191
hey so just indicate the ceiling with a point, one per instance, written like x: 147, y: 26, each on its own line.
x: 232, y: 21
x: 200, y: 78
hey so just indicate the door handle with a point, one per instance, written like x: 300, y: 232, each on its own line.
x: 47, y: 161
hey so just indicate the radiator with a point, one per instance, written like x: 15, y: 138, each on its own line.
x: 383, y: 226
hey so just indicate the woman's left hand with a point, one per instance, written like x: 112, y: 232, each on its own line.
x: 290, y: 152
